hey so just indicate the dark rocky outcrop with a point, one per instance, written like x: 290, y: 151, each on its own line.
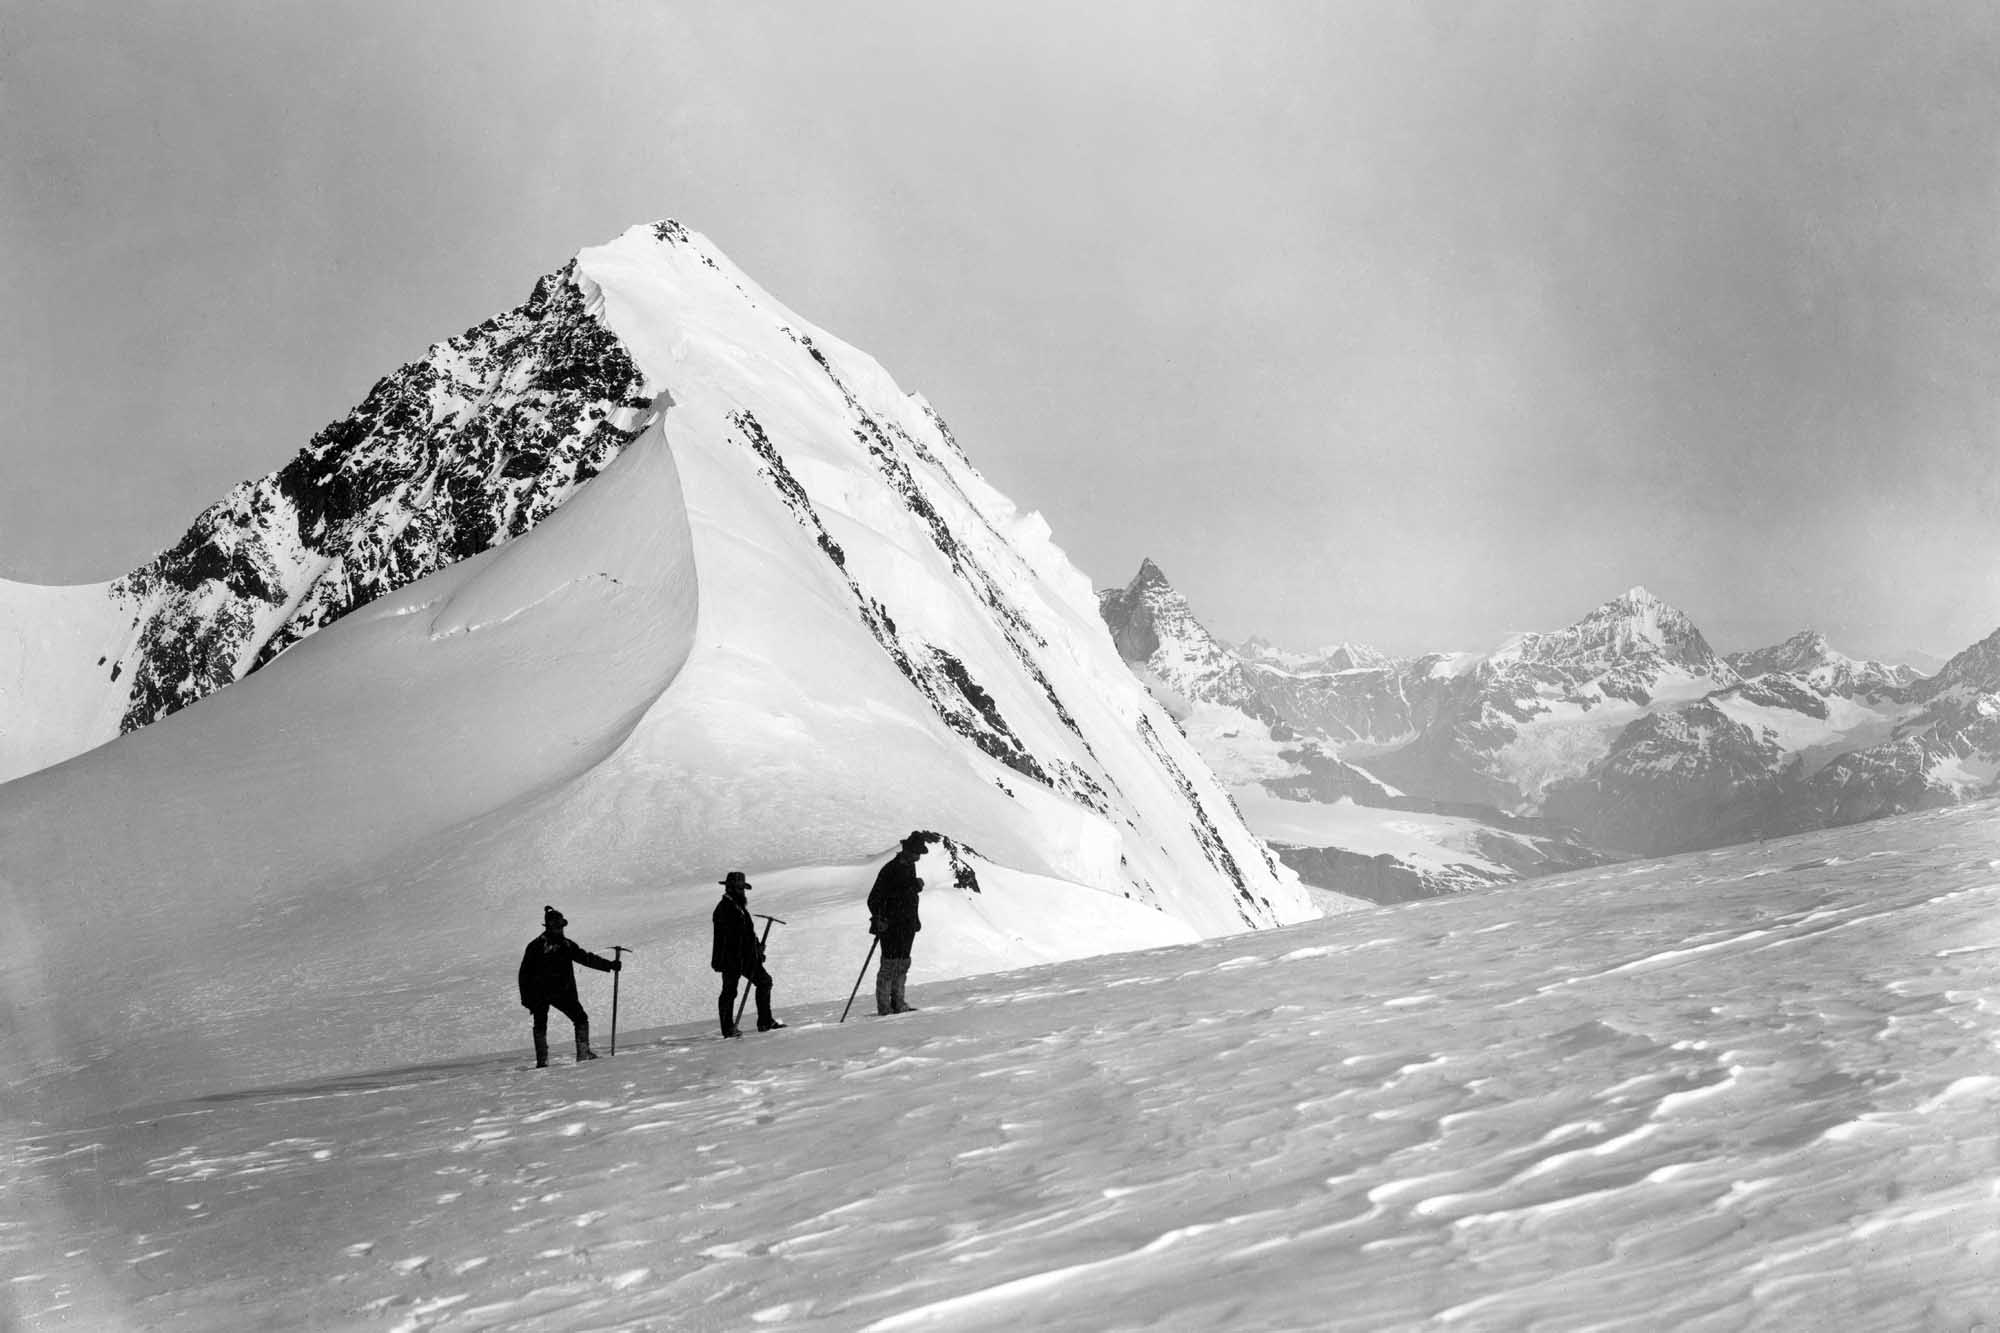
x: 450, y: 455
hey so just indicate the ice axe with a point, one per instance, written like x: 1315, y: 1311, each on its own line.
x: 616, y: 949
x: 768, y: 921
x: 857, y: 979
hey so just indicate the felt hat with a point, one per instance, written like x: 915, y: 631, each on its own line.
x: 734, y: 880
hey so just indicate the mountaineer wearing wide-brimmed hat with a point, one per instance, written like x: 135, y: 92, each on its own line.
x: 739, y: 955
x: 892, y: 918
x: 548, y: 981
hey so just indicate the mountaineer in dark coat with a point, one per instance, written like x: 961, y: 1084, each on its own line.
x: 738, y: 954
x: 548, y: 981
x: 892, y: 918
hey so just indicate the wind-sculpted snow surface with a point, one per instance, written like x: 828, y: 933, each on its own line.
x: 1750, y: 1088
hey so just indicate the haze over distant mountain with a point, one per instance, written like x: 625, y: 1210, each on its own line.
x: 1625, y: 726
x: 1329, y: 657
x: 1814, y: 740
x: 641, y: 582
x: 1276, y: 730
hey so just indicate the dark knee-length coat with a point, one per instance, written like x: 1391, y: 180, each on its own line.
x: 548, y: 972
x: 736, y: 949
x: 893, y: 902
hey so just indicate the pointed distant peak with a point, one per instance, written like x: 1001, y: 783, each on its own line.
x: 1639, y: 600
x: 1149, y: 612
x: 1635, y: 623
x: 1344, y: 656
x: 1150, y: 583
x: 1637, y: 603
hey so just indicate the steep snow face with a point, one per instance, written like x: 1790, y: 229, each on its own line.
x: 866, y: 587
x: 784, y: 624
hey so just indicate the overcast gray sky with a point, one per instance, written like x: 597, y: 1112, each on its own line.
x: 1412, y: 323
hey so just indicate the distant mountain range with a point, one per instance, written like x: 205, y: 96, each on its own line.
x: 1623, y: 734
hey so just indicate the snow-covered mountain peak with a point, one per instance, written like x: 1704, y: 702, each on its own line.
x: 1150, y: 575
x: 1154, y: 627
x: 1152, y: 604
x: 454, y: 454
x: 1802, y: 652
x: 1822, y: 668
x: 1634, y: 625
x: 644, y: 580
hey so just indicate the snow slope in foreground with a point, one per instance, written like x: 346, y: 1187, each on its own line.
x: 275, y: 944
x: 1756, y: 1087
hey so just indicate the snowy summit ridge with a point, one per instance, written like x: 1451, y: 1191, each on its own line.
x: 1636, y: 626
x: 1808, y: 655
x: 642, y: 581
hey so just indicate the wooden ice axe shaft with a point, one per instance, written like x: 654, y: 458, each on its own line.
x: 616, y: 949
x: 768, y: 921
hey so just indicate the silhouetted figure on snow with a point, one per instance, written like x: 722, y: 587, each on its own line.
x: 548, y: 981
x: 892, y: 918
x: 738, y: 954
